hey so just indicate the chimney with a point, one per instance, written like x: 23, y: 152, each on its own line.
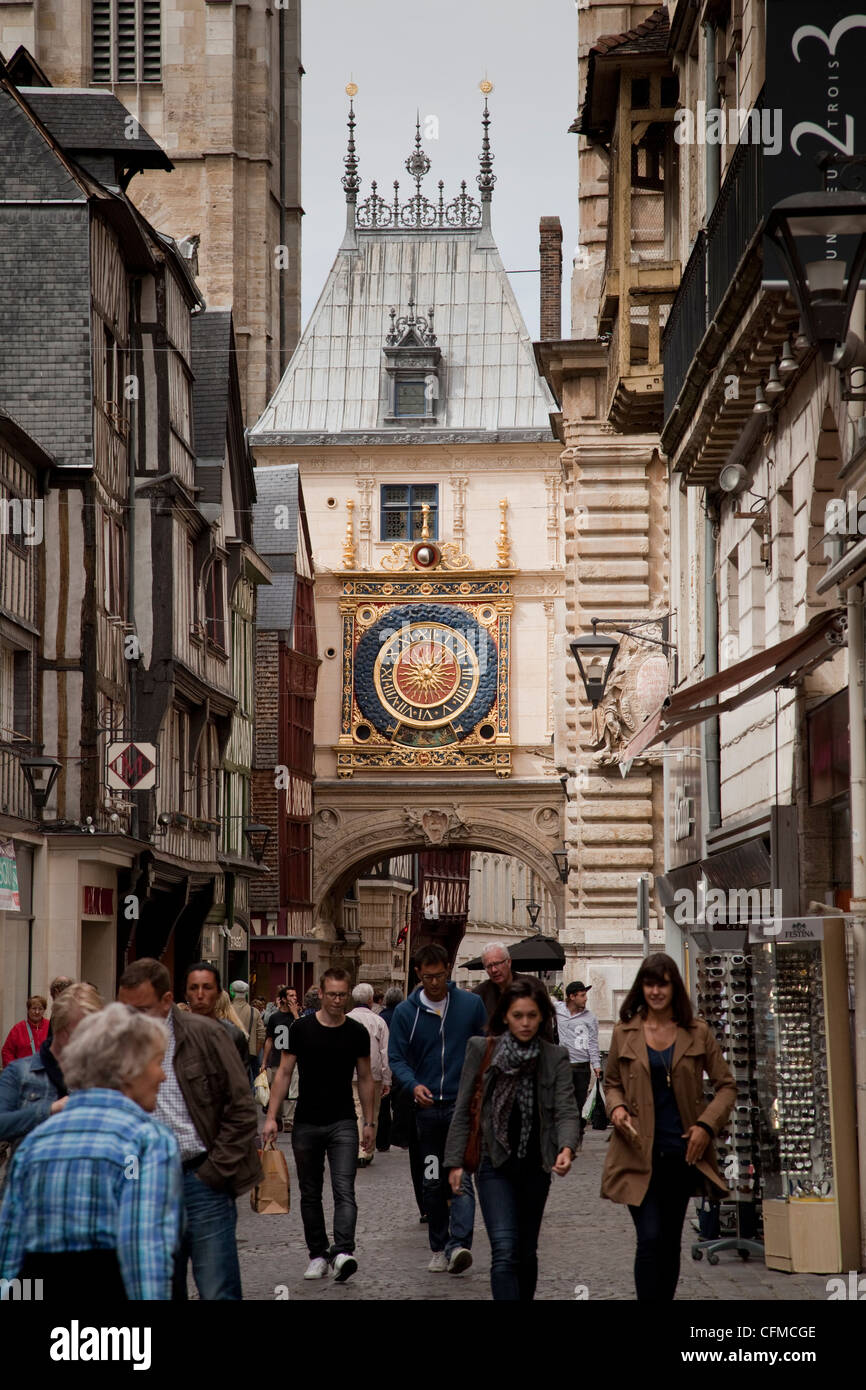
x: 550, y: 252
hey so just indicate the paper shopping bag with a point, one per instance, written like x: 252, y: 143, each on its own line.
x: 272, y: 1196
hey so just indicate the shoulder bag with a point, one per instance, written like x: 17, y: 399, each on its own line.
x: 472, y: 1156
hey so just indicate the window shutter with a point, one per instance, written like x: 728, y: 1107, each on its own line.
x: 151, y: 55
x: 126, y: 44
x: 101, y: 40
x: 22, y: 702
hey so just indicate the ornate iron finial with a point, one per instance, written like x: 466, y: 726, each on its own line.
x: 351, y: 179
x: 419, y: 212
x: 486, y: 177
x: 411, y: 324
x: 418, y: 162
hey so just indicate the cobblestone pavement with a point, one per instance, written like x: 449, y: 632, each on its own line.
x: 585, y: 1242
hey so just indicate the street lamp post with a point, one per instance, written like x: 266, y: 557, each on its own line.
x: 596, y: 647
x: 40, y: 774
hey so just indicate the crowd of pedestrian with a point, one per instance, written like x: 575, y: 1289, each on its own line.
x: 128, y: 1131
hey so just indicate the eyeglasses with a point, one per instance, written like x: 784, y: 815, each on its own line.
x: 435, y: 979
x: 344, y: 994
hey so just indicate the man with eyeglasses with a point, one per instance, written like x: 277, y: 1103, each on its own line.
x: 501, y: 974
x: 426, y: 1050
x: 327, y: 1047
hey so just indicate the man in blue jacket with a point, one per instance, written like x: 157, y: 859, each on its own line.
x: 427, y: 1045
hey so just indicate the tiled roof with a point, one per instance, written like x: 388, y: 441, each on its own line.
x: 649, y: 37
x: 335, y: 383
x: 82, y: 119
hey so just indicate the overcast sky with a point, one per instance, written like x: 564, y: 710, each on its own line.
x: 430, y: 55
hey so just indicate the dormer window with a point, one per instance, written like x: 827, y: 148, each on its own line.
x: 412, y: 364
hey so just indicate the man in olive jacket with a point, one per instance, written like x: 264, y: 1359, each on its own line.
x: 205, y: 1101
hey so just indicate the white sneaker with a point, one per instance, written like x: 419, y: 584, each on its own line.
x: 438, y: 1263
x: 317, y: 1269
x: 344, y: 1268
x: 460, y: 1259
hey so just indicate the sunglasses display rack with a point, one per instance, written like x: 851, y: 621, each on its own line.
x: 806, y: 1102
x: 793, y: 1072
x: 725, y: 999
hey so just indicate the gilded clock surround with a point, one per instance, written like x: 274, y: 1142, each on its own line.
x: 426, y: 673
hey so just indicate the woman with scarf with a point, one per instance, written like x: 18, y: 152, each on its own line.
x: 529, y: 1128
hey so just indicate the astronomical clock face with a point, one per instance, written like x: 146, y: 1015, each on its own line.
x: 427, y: 675
x: 425, y: 683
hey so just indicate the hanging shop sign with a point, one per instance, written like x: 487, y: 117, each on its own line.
x: 783, y: 931
x: 9, y: 897
x: 131, y: 766
x: 814, y: 107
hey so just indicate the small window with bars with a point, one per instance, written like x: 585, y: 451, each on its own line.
x: 126, y: 41
x: 403, y: 511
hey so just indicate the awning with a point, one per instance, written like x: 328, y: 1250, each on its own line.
x: 782, y: 664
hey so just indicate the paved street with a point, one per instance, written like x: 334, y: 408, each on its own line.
x: 584, y: 1241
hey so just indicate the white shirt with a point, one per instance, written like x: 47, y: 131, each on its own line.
x: 171, y: 1107
x: 438, y: 1007
x: 579, y: 1033
x: 378, y: 1030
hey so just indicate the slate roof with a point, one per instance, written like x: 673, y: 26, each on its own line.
x: 211, y: 352
x: 275, y: 603
x: 335, y: 383
x: 81, y: 119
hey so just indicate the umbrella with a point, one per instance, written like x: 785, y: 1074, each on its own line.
x: 533, y: 953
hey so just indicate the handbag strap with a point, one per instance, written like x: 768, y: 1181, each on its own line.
x: 485, y: 1062
x: 33, y: 1047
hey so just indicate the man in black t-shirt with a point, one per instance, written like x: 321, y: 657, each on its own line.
x: 328, y: 1047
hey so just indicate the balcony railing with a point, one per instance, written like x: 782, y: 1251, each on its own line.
x: 687, y: 323
x: 711, y: 270
x: 733, y: 221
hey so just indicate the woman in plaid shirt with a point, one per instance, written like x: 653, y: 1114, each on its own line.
x: 94, y: 1193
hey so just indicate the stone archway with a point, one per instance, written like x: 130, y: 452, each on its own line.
x: 355, y: 826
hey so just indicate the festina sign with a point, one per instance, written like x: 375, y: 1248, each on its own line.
x: 814, y: 106
x: 130, y: 766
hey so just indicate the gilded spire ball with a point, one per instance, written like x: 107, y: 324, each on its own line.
x: 485, y: 87
x: 351, y: 89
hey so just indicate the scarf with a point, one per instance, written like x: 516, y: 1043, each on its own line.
x: 515, y: 1065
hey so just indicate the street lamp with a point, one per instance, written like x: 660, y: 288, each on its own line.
x: 825, y: 290
x: 560, y: 859
x: 600, y: 653
x: 40, y: 774
x: 257, y: 837
x: 595, y: 648
x: 533, y: 908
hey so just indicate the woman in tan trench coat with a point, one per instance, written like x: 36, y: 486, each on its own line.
x: 661, y: 1147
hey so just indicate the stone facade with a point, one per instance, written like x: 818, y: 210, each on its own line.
x: 216, y: 111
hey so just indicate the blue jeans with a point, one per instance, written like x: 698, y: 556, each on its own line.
x: 512, y: 1203
x: 311, y: 1144
x: 448, y: 1231
x: 209, y: 1238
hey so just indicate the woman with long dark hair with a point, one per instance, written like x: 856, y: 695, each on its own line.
x: 529, y: 1128
x: 662, y: 1145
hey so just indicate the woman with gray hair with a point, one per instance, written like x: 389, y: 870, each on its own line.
x: 362, y: 998
x: 94, y: 1193
x: 33, y: 1088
